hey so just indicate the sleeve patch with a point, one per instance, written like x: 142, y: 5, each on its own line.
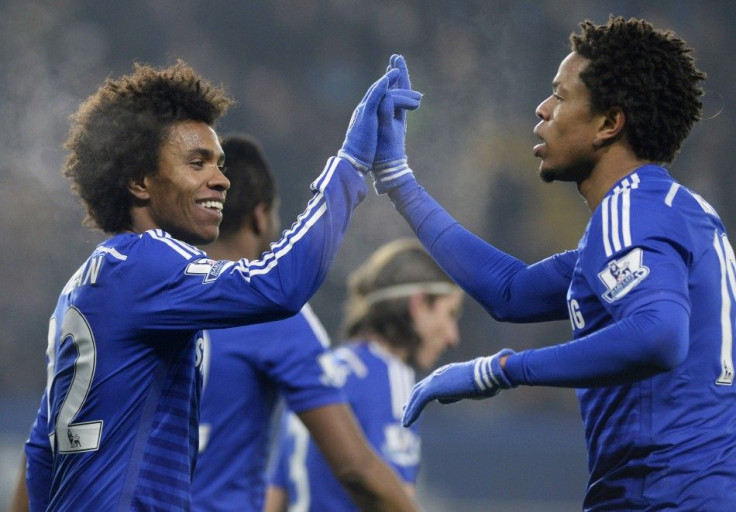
x: 209, y: 269
x: 334, y: 373
x: 622, y: 275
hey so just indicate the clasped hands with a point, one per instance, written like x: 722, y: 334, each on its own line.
x: 375, y: 139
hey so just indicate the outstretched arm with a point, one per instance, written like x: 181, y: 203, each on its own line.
x: 651, y: 340
x: 506, y: 287
x: 509, y: 289
x: 371, y: 483
x: 210, y: 294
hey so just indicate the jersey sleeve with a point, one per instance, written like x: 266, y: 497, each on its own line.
x: 39, y: 460
x: 639, y: 260
x: 177, y: 287
x: 301, y: 364
x: 508, y: 288
x: 636, y: 269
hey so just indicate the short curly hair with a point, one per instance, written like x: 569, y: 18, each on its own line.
x: 116, y: 135
x: 251, y: 182
x: 648, y: 73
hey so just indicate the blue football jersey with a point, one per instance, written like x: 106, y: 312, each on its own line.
x: 246, y: 370
x: 125, y: 349
x: 377, y: 385
x: 668, y: 441
x: 657, y: 439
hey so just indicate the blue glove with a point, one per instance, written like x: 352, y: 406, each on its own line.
x: 390, y: 161
x: 361, y: 138
x: 482, y: 377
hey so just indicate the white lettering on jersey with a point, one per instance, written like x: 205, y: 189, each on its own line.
x: 401, y: 445
x: 622, y: 275
x: 576, y: 316
x: 334, y: 372
x: 86, y: 274
x: 208, y: 268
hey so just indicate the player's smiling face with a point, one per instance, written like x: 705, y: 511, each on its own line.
x: 567, y: 127
x: 186, y: 195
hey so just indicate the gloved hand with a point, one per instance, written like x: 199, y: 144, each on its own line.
x: 361, y: 138
x: 391, y: 162
x: 479, y: 378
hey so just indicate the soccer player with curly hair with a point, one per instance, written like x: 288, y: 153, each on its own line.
x: 118, y: 425
x: 244, y: 381
x: 649, y: 290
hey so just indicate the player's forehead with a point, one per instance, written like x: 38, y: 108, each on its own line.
x: 193, y: 138
x: 568, y: 73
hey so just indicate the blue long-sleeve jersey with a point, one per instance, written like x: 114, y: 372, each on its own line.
x: 649, y: 292
x: 377, y: 384
x: 125, y: 347
x: 246, y: 370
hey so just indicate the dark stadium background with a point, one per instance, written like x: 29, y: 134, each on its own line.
x: 297, y: 69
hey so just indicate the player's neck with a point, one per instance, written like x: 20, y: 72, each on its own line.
x: 605, y: 175
x: 398, y: 352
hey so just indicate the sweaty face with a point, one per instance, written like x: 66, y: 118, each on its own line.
x: 186, y: 195
x: 436, y: 324
x: 567, y: 127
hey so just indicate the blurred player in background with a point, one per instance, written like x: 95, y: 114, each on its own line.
x: 118, y: 425
x: 401, y: 313
x: 246, y: 369
x: 649, y: 290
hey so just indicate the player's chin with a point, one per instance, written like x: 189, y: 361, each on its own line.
x: 546, y: 175
x: 204, y: 235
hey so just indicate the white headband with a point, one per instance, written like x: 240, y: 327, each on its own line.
x: 406, y: 290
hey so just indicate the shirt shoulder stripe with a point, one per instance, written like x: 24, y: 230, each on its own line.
x: 317, y: 328
x: 185, y: 250
x: 616, y: 215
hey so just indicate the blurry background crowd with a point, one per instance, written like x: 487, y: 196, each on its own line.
x: 297, y: 69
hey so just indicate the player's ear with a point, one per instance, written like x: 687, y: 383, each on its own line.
x: 417, y: 304
x: 611, y: 127
x: 139, y: 188
x: 261, y: 219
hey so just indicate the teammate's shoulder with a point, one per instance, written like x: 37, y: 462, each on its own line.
x: 644, y: 194
x: 661, y: 197
x: 154, y: 244
x: 154, y: 254
x: 649, y: 183
x: 164, y: 244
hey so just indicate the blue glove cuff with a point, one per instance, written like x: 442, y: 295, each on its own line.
x: 390, y: 175
x: 488, y: 375
x: 358, y: 164
x: 385, y: 164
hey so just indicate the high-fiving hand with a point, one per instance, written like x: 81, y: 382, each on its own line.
x: 362, y: 140
x: 391, y: 162
x: 482, y: 377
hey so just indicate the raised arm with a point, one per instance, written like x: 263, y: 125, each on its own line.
x: 215, y: 294
x: 505, y: 286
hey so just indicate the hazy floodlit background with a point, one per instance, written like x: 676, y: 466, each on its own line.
x: 297, y: 69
